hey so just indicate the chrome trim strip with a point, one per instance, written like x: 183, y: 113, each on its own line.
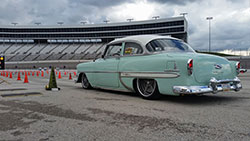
x: 141, y: 74
x: 127, y: 87
x: 149, y: 74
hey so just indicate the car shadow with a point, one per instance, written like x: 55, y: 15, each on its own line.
x: 201, y: 100
x: 131, y: 94
x: 186, y: 99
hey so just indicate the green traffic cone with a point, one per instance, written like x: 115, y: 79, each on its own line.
x: 52, y: 81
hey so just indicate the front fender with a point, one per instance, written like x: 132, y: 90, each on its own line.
x: 78, y: 78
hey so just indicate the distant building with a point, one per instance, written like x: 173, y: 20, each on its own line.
x: 78, y: 42
x: 236, y: 52
x: 175, y: 27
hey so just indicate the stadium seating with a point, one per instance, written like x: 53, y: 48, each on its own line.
x: 51, y: 51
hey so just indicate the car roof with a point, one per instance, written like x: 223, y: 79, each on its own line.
x: 142, y: 39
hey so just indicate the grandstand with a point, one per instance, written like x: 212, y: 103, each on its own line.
x: 82, y: 42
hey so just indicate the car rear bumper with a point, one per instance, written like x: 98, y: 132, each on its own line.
x: 213, y: 87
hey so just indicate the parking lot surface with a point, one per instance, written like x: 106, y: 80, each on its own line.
x: 29, y: 112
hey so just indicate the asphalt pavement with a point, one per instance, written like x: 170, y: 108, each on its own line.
x: 29, y: 112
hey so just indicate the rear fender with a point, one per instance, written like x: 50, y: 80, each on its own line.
x: 233, y: 67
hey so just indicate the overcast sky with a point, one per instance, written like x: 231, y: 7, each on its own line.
x: 230, y: 24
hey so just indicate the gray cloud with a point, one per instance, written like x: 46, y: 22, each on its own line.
x: 174, y: 2
x: 227, y: 31
x: 100, y: 3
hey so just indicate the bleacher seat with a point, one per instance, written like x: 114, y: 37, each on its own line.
x: 51, y: 51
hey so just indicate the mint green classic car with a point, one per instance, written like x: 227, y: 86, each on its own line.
x: 152, y: 65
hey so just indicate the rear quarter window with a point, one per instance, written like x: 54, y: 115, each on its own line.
x: 132, y: 49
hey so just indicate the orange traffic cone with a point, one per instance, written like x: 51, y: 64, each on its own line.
x: 7, y: 74
x: 26, y: 78
x: 10, y: 75
x: 74, y: 73
x: 65, y: 73
x: 33, y: 73
x: 70, y: 77
x: 19, y: 76
x: 28, y: 73
x: 59, y: 76
x: 42, y: 74
x: 37, y: 73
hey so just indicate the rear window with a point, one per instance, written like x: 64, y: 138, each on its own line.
x: 168, y: 45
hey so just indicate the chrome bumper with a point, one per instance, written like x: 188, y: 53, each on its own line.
x: 213, y: 87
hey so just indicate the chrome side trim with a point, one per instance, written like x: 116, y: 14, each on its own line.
x: 150, y: 74
x: 127, y: 87
x: 141, y: 74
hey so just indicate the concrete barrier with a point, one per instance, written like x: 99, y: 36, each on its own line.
x: 62, y: 64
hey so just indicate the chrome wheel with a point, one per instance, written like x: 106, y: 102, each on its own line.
x: 147, y: 88
x: 85, y: 82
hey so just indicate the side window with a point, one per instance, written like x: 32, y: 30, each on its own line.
x: 114, y: 50
x: 132, y: 49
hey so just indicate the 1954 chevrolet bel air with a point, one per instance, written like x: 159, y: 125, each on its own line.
x: 152, y: 65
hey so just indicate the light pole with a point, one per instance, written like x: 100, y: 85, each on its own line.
x: 106, y: 21
x: 183, y: 14
x: 38, y: 23
x: 129, y: 20
x: 156, y: 17
x: 209, y: 36
x: 14, y: 24
x: 83, y: 22
x: 60, y: 23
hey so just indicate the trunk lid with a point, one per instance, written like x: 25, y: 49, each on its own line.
x: 208, y: 66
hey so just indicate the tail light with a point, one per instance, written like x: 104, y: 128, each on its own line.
x: 190, y: 66
x: 237, y: 67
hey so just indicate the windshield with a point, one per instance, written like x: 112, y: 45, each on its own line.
x: 168, y: 45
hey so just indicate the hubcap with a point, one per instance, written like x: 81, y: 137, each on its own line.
x: 84, y: 81
x: 146, y: 87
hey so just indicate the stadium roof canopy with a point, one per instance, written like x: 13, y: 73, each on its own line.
x: 175, y: 27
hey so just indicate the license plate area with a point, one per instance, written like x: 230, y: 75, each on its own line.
x: 226, y: 87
